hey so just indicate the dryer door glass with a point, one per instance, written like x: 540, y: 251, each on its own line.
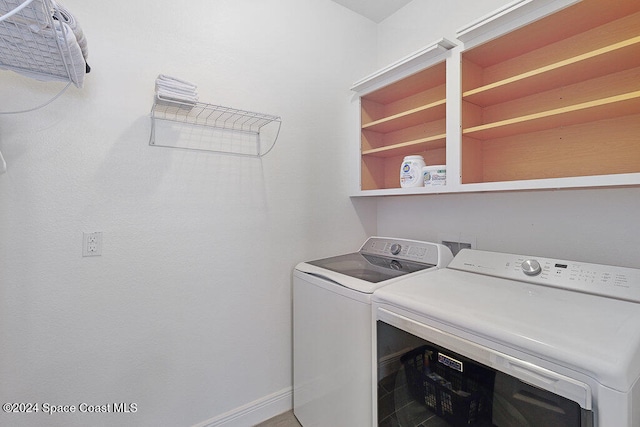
x: 432, y: 386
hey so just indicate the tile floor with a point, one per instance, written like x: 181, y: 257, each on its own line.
x: 283, y: 420
x: 396, y: 407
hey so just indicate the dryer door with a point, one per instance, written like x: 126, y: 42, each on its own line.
x: 447, y: 378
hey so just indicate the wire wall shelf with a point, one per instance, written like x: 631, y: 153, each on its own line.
x: 207, y: 127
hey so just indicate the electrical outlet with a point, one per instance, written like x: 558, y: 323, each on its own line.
x: 92, y: 244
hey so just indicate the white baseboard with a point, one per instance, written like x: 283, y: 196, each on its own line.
x: 254, y: 412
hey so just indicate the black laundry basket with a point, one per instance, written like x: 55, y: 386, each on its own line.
x: 414, y: 365
x: 450, y: 385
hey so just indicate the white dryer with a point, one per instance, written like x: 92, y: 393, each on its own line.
x: 332, y: 335
x: 544, y: 342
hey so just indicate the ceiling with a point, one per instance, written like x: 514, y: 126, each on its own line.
x: 376, y: 10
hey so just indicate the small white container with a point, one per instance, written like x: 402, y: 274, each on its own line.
x: 434, y: 175
x: 411, y: 171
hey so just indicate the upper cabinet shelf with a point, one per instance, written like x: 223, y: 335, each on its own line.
x: 403, y: 112
x: 412, y: 117
x: 595, y: 63
x: 556, y: 98
x: 539, y: 94
x: 599, y: 109
x: 408, y: 147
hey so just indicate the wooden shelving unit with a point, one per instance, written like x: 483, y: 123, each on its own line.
x: 403, y: 112
x: 541, y: 94
x: 557, y: 98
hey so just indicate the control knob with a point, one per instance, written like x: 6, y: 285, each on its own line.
x: 395, y: 249
x: 531, y: 267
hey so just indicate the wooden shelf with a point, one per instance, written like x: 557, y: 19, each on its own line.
x: 564, y: 24
x: 409, y: 147
x: 599, y: 109
x: 600, y: 62
x: 425, y: 113
x: 557, y: 98
x: 599, y: 148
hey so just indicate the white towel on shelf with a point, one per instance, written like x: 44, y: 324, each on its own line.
x: 168, y: 95
x: 176, y: 89
x: 171, y: 89
x: 175, y: 82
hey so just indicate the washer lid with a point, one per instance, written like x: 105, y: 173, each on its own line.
x: 588, y: 333
x: 354, y: 271
x: 380, y: 261
x: 367, y: 267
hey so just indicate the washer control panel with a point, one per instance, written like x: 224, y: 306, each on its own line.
x: 404, y: 249
x: 604, y: 280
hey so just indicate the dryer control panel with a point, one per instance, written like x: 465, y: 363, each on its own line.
x: 604, y: 280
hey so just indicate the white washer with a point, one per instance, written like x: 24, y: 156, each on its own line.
x: 551, y: 331
x: 332, y: 336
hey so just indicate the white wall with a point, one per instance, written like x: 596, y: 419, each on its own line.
x: 422, y: 22
x: 188, y: 311
x: 592, y: 225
